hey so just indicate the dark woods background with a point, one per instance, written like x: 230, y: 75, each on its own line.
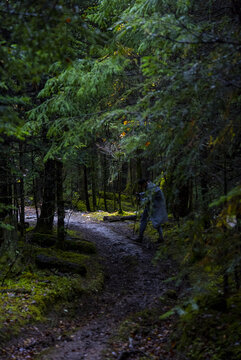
x: 97, y: 94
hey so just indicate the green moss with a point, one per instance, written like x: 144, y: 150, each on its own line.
x: 10, y: 265
x: 85, y: 247
x: 80, y: 259
x: 98, y: 215
x: 81, y: 206
x: 74, y: 234
x: 43, y: 239
x: 75, y: 244
x: 29, y: 229
x: 28, y: 297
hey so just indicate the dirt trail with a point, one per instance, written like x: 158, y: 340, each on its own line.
x: 132, y: 284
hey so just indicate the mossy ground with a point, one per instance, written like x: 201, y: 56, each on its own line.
x: 82, y: 246
x: 98, y: 215
x: 27, y: 295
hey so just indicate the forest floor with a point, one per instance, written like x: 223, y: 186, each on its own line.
x: 120, y: 322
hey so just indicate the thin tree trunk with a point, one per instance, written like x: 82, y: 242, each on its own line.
x: 132, y: 183
x: 120, y: 211
x: 60, y: 205
x: 105, y: 181
x: 87, y: 201
x: 79, y: 183
x: 15, y: 201
x: 46, y: 219
x: 35, y: 197
x: 93, y: 181
x: 21, y: 190
x: 5, y: 196
x: 138, y: 168
x: 114, y: 196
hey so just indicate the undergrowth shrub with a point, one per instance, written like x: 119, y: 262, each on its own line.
x: 209, y: 259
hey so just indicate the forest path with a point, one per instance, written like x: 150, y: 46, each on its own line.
x: 132, y: 283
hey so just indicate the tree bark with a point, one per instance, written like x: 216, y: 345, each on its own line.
x: 60, y: 204
x: 93, y: 181
x: 105, y: 181
x: 114, y: 195
x: 46, y: 219
x: 35, y: 196
x: 21, y: 190
x: 138, y: 166
x: 120, y: 211
x: 87, y: 201
x: 5, y: 188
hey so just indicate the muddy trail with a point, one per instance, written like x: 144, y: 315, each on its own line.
x: 132, y: 284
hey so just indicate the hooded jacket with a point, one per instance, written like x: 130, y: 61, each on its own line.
x: 154, y: 201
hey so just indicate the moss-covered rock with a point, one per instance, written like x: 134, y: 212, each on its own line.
x: 81, y: 246
x: 28, y: 296
x: 44, y: 240
x: 51, y: 262
x: 72, y: 243
x: 64, y: 261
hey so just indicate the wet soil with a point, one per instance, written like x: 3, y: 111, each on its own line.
x: 132, y: 284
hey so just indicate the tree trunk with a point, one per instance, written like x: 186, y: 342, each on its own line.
x: 87, y: 201
x: 46, y: 219
x: 114, y: 196
x: 35, y: 196
x: 138, y: 168
x: 21, y: 191
x: 15, y: 201
x: 120, y: 211
x: 105, y: 181
x: 130, y: 183
x: 5, y: 189
x: 60, y: 205
x: 93, y: 181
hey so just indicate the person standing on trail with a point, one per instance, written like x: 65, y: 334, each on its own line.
x: 153, y: 200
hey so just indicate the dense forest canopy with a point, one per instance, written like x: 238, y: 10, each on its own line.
x: 97, y: 94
